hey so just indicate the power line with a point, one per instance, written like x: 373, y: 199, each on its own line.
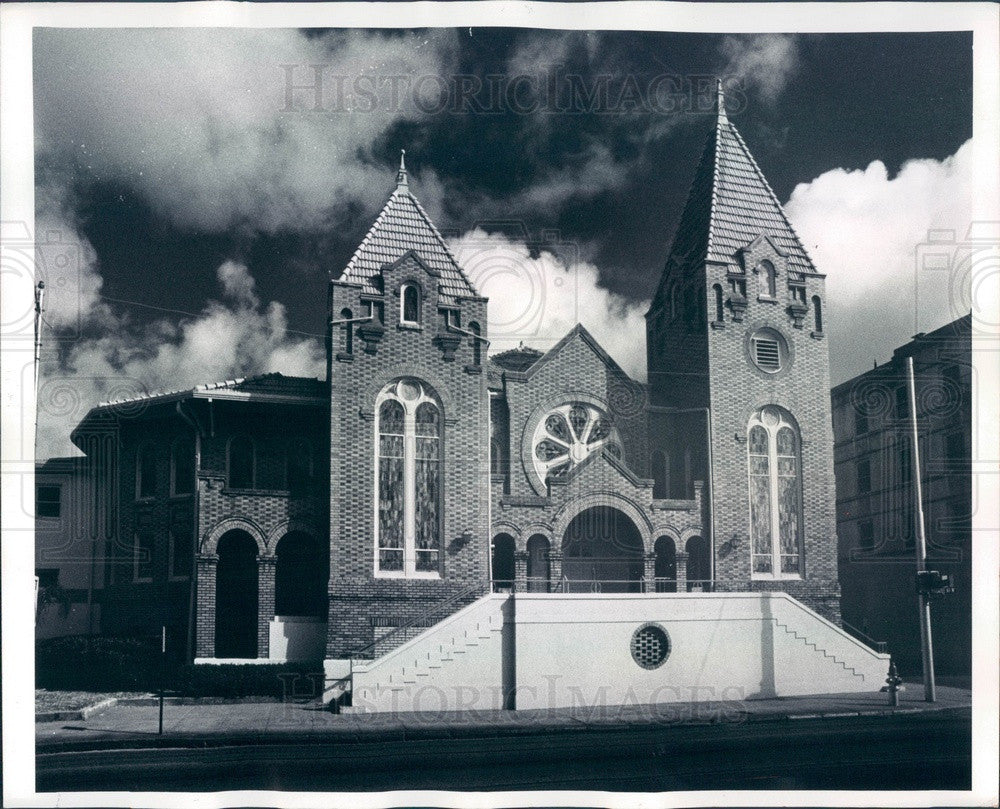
x: 188, y: 314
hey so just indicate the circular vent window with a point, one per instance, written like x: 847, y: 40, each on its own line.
x: 650, y: 646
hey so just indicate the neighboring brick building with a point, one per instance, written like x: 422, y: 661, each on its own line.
x: 875, y: 500
x: 316, y: 516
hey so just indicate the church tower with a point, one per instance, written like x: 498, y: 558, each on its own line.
x: 739, y: 381
x: 409, y: 430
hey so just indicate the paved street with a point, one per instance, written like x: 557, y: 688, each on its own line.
x: 921, y: 750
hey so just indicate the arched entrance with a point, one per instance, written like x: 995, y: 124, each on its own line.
x: 699, y: 567
x: 665, y: 565
x: 503, y: 563
x: 538, y: 564
x: 236, y: 596
x: 602, y: 552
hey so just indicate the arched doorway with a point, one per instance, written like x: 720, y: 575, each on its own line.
x: 699, y: 568
x: 602, y: 552
x: 503, y: 563
x: 538, y: 564
x: 301, y: 573
x: 236, y: 596
x: 665, y: 565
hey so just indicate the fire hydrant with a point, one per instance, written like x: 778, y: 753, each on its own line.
x: 893, y: 681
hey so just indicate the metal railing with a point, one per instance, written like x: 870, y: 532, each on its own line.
x: 425, y: 619
x: 878, y: 645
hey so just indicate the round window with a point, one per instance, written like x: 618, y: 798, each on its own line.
x: 650, y: 646
x: 768, y: 350
x: 567, y: 435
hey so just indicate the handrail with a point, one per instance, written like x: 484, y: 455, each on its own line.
x: 474, y: 590
x: 877, y: 645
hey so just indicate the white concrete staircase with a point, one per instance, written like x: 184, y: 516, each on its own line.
x: 454, y: 662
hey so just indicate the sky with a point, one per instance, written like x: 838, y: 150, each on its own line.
x: 196, y: 188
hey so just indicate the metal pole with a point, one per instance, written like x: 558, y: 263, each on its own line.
x: 926, y: 644
x: 163, y: 671
x: 39, y: 308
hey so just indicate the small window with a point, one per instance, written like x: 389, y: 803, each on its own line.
x: 182, y: 467
x: 902, y: 403
x: 673, y: 301
x: 48, y: 501
x: 477, y: 344
x: 817, y: 314
x: 181, y: 555
x: 241, y: 465
x: 410, y: 304
x: 299, y: 466
x: 146, y: 483
x: 860, y: 422
x: 770, y: 279
x: 864, y: 477
x: 347, y: 331
x: 767, y: 354
x: 866, y: 535
x: 797, y: 294
x: 738, y: 287
x: 719, y: 311
x: 142, y: 557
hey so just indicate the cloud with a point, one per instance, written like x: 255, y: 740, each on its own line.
x: 869, y: 233
x: 539, y: 292
x: 764, y: 62
x: 234, y: 337
x: 207, y: 123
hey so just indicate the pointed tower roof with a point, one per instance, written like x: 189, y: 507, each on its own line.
x: 730, y: 205
x: 404, y: 225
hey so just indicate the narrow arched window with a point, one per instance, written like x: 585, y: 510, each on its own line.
x: 817, y: 314
x: 774, y: 459
x: 410, y: 303
x: 477, y: 344
x: 658, y: 469
x: 409, y: 481
x: 770, y: 279
x: 717, y: 289
x: 182, y: 467
x: 347, y: 328
x: 241, y: 462
x: 145, y: 482
x: 673, y: 301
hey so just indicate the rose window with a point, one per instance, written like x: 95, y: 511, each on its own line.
x: 568, y: 435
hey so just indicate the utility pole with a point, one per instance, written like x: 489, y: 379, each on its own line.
x: 39, y: 308
x: 926, y: 645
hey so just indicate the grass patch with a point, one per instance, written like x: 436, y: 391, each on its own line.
x: 49, y: 701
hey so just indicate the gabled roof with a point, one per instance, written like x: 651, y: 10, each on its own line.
x: 577, y: 331
x: 401, y: 226
x: 731, y: 204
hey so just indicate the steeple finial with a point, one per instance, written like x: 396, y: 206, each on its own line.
x: 720, y: 100
x: 401, y: 180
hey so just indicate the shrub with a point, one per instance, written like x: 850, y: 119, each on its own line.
x: 246, y: 680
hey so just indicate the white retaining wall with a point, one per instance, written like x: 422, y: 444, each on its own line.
x: 546, y: 650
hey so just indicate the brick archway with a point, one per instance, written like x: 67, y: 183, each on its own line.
x: 619, y: 502
x: 210, y: 541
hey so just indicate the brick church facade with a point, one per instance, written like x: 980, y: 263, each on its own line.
x: 286, y: 518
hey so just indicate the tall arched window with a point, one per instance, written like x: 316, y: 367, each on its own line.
x: 817, y: 314
x: 241, y: 462
x: 770, y: 279
x: 410, y: 304
x: 673, y: 301
x: 658, y: 469
x: 348, y: 329
x: 774, y: 459
x: 408, y: 481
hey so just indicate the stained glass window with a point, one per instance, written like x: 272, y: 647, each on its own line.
x: 775, y: 494
x: 568, y: 435
x: 409, y: 480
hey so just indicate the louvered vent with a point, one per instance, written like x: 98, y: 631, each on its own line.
x: 767, y: 354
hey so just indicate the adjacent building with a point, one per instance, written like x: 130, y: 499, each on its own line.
x: 875, y: 496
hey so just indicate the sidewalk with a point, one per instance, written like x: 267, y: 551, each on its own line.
x: 211, y: 725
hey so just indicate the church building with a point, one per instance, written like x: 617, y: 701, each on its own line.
x: 434, y: 516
